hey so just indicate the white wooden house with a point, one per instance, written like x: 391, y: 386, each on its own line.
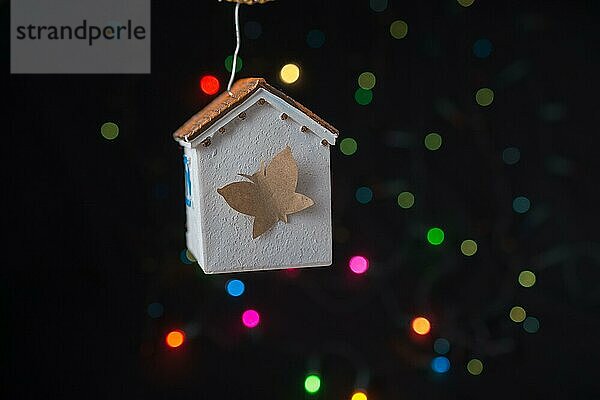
x: 236, y: 134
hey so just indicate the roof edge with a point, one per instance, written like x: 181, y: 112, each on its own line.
x: 222, y: 104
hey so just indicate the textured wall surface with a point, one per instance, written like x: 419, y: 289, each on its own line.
x: 225, y: 234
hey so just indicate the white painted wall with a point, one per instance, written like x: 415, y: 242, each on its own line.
x: 223, y: 240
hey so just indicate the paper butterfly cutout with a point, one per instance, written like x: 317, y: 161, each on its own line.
x: 270, y: 196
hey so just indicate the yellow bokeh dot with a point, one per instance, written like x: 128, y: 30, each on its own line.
x: 289, y: 73
x: 399, y: 29
x: 517, y: 314
x: 190, y: 256
x: 466, y: 3
x: 484, y: 97
x: 475, y: 366
x: 109, y: 130
x: 526, y: 278
x: 468, y: 247
x: 359, y: 396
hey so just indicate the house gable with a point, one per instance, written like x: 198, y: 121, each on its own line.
x: 247, y: 92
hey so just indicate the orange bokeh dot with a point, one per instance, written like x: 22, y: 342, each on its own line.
x: 209, y: 84
x: 421, y: 325
x: 175, y: 338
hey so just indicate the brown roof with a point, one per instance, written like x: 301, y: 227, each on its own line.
x: 241, y: 90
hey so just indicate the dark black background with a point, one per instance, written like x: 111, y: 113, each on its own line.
x: 99, y: 225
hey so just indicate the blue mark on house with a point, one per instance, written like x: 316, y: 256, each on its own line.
x: 188, y: 182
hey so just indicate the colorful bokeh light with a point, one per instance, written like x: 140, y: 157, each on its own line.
x: 441, y: 346
x: 435, y: 236
x: 465, y: 3
x: 517, y: 314
x: 440, y: 364
x: 312, y: 383
x: 109, y: 130
x: 531, y: 325
x: 378, y: 5
x: 468, y: 247
x: 482, y: 48
x: 421, y: 325
x: 250, y: 318
x: 315, y: 39
x: 186, y: 257
x: 364, y: 195
x: 475, y: 366
x: 359, y: 395
x: 209, y: 85
x: 511, y: 155
x: 399, y: 29
x: 289, y: 73
x: 527, y: 278
x: 175, y: 338
x: 484, y: 97
x: 229, y: 63
x: 252, y: 29
x: 433, y: 141
x: 235, y: 287
x: 406, y: 200
x: 348, y: 146
x: 521, y: 204
x: 358, y: 264
x: 367, y: 80
x: 155, y: 310
x: 363, y: 96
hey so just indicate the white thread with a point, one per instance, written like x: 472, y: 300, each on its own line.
x: 236, y: 20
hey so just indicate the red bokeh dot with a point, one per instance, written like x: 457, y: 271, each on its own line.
x: 209, y: 84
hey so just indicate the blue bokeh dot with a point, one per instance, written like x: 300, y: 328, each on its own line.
x: 155, y: 310
x: 440, y: 364
x: 521, y: 204
x: 315, y: 39
x: 364, y: 195
x: 441, y: 346
x: 235, y: 287
x: 511, y: 155
x: 482, y: 48
x: 252, y: 29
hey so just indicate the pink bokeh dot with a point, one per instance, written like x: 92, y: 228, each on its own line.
x: 359, y: 264
x: 250, y: 318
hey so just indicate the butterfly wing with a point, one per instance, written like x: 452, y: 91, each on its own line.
x: 298, y: 202
x: 282, y: 172
x: 243, y: 197
x: 246, y: 198
x: 263, y: 223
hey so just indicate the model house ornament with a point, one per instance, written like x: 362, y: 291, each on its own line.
x: 257, y: 182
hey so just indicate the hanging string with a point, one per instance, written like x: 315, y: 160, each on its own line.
x: 236, y: 19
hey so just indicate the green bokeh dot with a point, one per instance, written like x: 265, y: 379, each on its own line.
x: 399, y: 29
x: 348, y: 146
x: 367, y: 80
x: 435, y: 236
x: 406, y: 199
x: 484, y: 97
x: 433, y: 141
x: 229, y: 63
x: 312, y: 383
x: 109, y: 130
x: 363, y: 96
